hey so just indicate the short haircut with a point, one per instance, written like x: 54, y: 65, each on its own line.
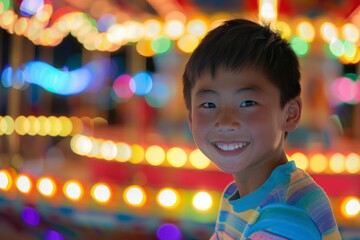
x: 238, y: 44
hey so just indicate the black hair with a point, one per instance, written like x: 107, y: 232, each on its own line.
x: 241, y: 43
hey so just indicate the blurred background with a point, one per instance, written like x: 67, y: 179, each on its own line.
x: 94, y: 140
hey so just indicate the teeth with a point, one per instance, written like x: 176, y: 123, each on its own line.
x: 230, y: 147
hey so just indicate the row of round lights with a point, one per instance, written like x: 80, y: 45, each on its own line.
x: 156, y: 155
x: 154, y: 36
x: 102, y: 193
x: 43, y: 126
x: 123, y: 152
x: 133, y: 195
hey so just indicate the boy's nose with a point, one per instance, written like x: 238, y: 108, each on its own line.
x: 227, y: 120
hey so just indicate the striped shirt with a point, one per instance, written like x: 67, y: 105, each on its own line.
x: 289, y: 205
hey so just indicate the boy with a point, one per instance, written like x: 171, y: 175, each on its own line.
x: 242, y: 91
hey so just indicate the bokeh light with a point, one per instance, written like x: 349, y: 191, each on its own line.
x: 138, y: 154
x: 337, y: 163
x: 318, y: 163
x: 108, y: 150
x: 30, y: 216
x: 5, y: 180
x: 124, y: 152
x: 350, y: 32
x: 350, y: 207
x: 328, y: 31
x: 300, y: 159
x: 202, y: 201
x: 299, y: 45
x: 101, y: 192
x: 46, y: 186
x: 141, y: 83
x: 161, y: 45
x: 352, y: 163
x: 53, y: 235
x: 135, y: 196
x: 168, y: 231
x: 306, y: 31
x: 176, y: 156
x: 155, y: 155
x: 73, y: 190
x: 174, y: 28
x: 23, y: 183
x: 198, y: 159
x: 168, y: 198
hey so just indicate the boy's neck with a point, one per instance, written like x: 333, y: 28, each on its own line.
x: 251, y: 179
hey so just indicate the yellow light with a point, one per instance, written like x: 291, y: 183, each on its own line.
x: 350, y: 32
x: 328, y: 31
x: 7, y: 125
x: 135, y: 196
x: 81, y: 144
x: 268, y: 10
x: 34, y: 125
x: 23, y: 184
x: 138, y: 154
x: 116, y: 34
x: 155, y: 155
x: 102, y: 43
x: 350, y: 207
x: 108, y: 150
x: 318, y: 163
x: 197, y: 27
x: 45, y: 126
x: 22, y: 125
x: 21, y: 26
x: 337, y: 163
x: 124, y: 152
x: 67, y: 126
x: 77, y: 125
x: 168, y: 198
x: 198, y: 159
x: 143, y: 47
x: 284, y: 29
x: 176, y: 157
x: 101, y: 193
x: 152, y: 28
x: 306, y: 31
x: 73, y: 190
x: 55, y: 126
x: 95, y: 148
x: 301, y: 160
x: 352, y: 163
x: 46, y: 186
x: 174, y: 29
x: 134, y: 30
x: 202, y: 201
x: 5, y: 180
x: 187, y: 43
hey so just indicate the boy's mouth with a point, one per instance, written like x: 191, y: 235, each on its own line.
x: 230, y: 146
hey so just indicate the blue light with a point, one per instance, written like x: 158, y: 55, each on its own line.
x: 58, y: 81
x: 6, y: 77
x: 159, y: 94
x: 168, y: 231
x: 31, y: 7
x: 141, y: 83
x: 30, y: 216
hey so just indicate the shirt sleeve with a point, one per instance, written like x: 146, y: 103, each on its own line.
x: 283, y: 221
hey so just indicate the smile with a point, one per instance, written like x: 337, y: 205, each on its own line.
x: 230, y: 146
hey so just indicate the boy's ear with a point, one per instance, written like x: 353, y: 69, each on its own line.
x: 293, y: 114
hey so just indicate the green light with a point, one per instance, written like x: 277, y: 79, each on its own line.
x: 300, y: 46
x: 336, y: 47
x: 161, y: 45
x: 349, y: 49
x: 6, y: 4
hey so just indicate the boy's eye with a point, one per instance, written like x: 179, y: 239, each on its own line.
x: 208, y: 105
x: 247, y: 103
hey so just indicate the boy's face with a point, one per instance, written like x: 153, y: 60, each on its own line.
x: 237, y: 121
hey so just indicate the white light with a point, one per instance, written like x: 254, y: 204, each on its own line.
x: 202, y: 201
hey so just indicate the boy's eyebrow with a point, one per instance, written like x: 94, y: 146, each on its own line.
x: 240, y: 90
